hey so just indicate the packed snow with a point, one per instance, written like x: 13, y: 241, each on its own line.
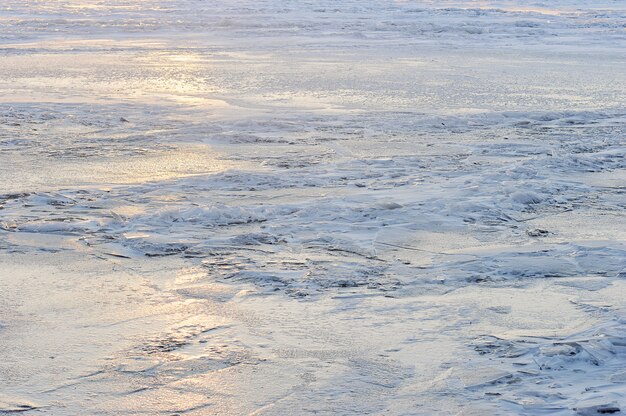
x: 289, y: 207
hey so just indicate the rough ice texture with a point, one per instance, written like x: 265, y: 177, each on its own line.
x: 383, y: 207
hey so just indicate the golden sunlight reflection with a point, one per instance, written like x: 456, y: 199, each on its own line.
x: 183, y: 161
x: 150, y: 77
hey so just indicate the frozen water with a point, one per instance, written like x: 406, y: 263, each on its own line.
x: 268, y: 207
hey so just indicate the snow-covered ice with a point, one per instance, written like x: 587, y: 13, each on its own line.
x: 271, y: 207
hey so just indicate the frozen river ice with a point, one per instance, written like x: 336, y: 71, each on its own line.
x: 290, y: 207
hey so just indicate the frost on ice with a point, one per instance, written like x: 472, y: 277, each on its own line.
x: 278, y: 208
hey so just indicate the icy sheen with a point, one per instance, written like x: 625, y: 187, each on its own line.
x: 312, y: 207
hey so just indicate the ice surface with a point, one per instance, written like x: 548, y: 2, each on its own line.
x: 237, y: 207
